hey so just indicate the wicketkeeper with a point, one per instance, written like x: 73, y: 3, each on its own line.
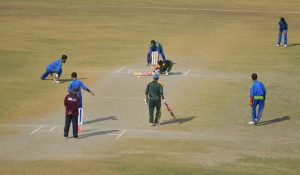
x: 154, y: 98
x: 257, y: 98
x: 154, y: 46
x: 55, y: 67
x: 77, y: 84
x: 164, y: 67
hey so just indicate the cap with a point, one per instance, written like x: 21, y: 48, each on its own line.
x: 156, y: 76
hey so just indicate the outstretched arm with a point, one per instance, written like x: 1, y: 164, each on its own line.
x: 86, y: 89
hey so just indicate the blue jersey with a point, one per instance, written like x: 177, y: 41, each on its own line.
x: 283, y: 26
x: 55, y: 66
x: 257, y: 90
x: 76, y: 84
x: 157, y: 47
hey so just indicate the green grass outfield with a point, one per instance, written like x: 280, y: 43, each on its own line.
x: 228, y: 36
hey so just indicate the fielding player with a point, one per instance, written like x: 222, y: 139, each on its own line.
x: 55, y: 67
x: 257, y: 98
x: 283, y: 28
x: 154, y: 95
x: 72, y: 103
x: 77, y: 84
x: 155, y: 46
x: 165, y: 66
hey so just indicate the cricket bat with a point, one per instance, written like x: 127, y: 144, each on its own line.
x: 170, y: 110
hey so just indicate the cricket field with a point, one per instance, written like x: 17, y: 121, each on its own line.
x: 216, y: 45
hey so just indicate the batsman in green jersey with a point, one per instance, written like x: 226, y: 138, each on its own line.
x: 154, y: 97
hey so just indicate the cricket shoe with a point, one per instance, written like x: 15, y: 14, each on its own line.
x: 167, y: 73
x: 277, y: 45
x: 151, y: 124
x: 285, y: 46
x: 57, y: 82
x: 251, y: 123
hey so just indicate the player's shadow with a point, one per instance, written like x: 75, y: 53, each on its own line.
x: 69, y: 79
x: 64, y: 80
x: 294, y: 44
x: 177, y: 121
x: 272, y: 121
x: 96, y: 133
x: 101, y: 119
x: 175, y: 73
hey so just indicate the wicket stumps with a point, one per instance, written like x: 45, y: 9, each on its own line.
x: 154, y: 59
x: 80, y: 120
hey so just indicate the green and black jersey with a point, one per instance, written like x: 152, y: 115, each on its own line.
x: 154, y: 89
x: 167, y: 64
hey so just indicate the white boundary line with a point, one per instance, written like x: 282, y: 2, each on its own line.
x: 122, y: 68
x: 122, y: 133
x: 129, y: 71
x: 187, y: 72
x: 165, y: 8
x: 36, y: 130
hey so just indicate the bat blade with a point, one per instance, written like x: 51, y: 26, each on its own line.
x: 170, y: 110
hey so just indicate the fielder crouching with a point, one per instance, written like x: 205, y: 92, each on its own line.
x: 55, y: 67
x: 72, y: 103
x: 164, y: 67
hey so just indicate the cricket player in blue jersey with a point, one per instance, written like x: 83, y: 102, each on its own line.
x: 283, y: 28
x: 257, y: 98
x: 77, y: 84
x: 155, y: 46
x: 55, y: 67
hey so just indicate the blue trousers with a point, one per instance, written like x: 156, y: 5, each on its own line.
x: 257, y: 115
x: 160, y: 51
x: 48, y: 71
x: 80, y: 97
x: 280, y: 36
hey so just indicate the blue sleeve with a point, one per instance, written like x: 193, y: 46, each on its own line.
x: 83, y: 86
x: 251, y: 90
x: 264, y: 89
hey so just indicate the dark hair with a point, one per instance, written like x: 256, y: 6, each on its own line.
x: 282, y: 19
x: 153, y: 42
x: 74, y: 75
x: 254, y: 76
x: 64, y: 57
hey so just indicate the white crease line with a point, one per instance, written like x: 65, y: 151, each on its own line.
x: 187, y: 72
x: 122, y: 133
x: 36, y: 130
x: 89, y: 127
x: 52, y: 129
x: 129, y: 71
x: 122, y: 68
